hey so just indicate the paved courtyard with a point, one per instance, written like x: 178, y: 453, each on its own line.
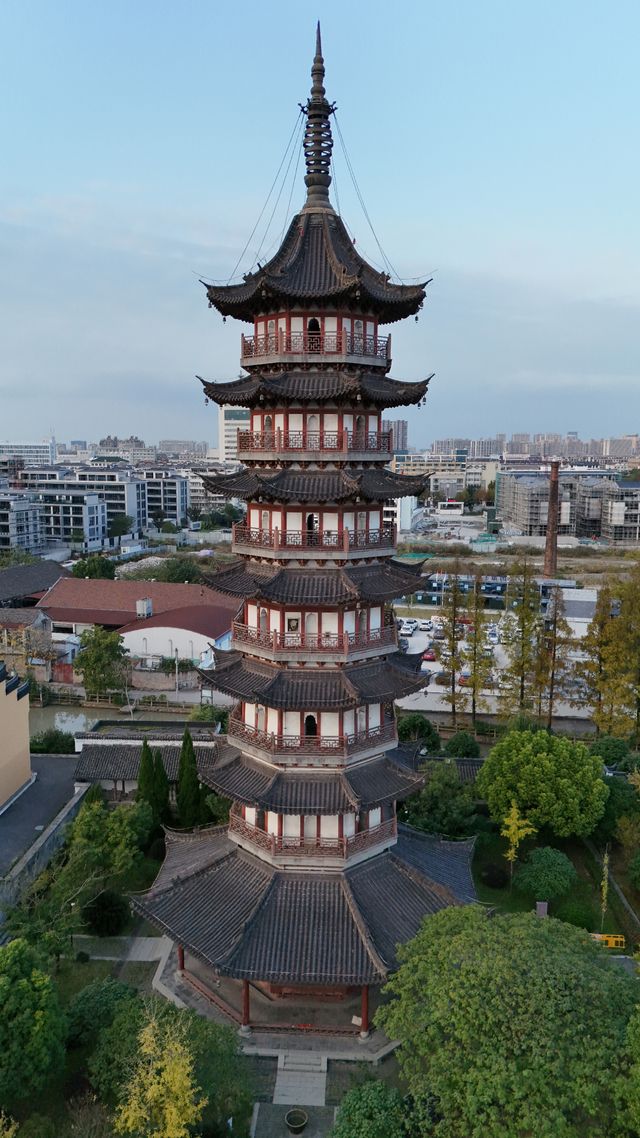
x: 25, y: 820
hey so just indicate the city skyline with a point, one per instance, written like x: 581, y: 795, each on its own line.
x: 120, y: 189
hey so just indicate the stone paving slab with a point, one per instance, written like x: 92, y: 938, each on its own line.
x: 121, y: 947
x: 302, y: 1079
x: 268, y: 1121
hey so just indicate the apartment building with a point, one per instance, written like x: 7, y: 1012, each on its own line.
x: 21, y: 522
x: 522, y: 500
x: 33, y: 454
x: 230, y: 421
x: 399, y: 434
x: 621, y: 512
x: 167, y: 493
x: 123, y: 491
x: 74, y: 516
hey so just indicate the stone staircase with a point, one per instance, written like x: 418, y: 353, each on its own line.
x: 301, y: 1079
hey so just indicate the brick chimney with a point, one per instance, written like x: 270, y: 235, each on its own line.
x: 551, y: 546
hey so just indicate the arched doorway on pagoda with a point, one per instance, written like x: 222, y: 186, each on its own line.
x: 310, y: 726
x: 313, y: 334
x: 264, y: 622
x: 311, y: 627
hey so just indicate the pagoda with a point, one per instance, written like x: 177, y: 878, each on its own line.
x: 308, y: 891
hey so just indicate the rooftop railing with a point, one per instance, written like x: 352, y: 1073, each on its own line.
x: 303, y: 846
x: 292, y: 746
x: 312, y: 541
x: 296, y: 442
x: 342, y: 343
x: 291, y: 643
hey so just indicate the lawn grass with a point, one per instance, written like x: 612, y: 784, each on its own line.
x: 491, y: 848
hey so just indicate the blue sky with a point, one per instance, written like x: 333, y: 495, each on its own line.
x: 496, y: 146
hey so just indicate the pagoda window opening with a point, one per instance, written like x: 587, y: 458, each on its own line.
x: 264, y: 621
x: 360, y: 430
x: 358, y: 337
x: 310, y: 726
x: 313, y: 523
x: 271, y: 335
x: 261, y: 718
x: 311, y: 626
x: 362, y: 624
x: 268, y: 426
x: 361, y: 720
x: 266, y: 521
x: 313, y: 335
x: 313, y: 430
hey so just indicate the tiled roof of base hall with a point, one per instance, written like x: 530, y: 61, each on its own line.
x: 248, y: 920
x: 317, y: 386
x: 379, y: 681
x: 378, y: 582
x: 313, y: 486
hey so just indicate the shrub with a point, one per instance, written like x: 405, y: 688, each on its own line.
x: 94, y: 1008
x: 575, y: 911
x: 462, y: 745
x: 95, y: 793
x: 494, y: 876
x: 372, y: 1110
x: 415, y: 727
x: 82, y: 957
x: 611, y: 750
x: 546, y: 875
x: 107, y: 914
x: 52, y: 742
x: 623, y: 800
x: 38, y: 1127
x: 634, y: 871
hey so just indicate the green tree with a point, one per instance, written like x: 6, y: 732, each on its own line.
x: 516, y: 1025
x: 8, y: 1128
x: 622, y: 799
x: 553, y: 781
x: 53, y: 742
x: 120, y: 525
x: 591, y: 667
x: 145, y: 791
x: 102, y: 849
x: 621, y: 687
x: 372, y: 1110
x: 95, y: 566
x: 476, y: 653
x: 218, y: 1067
x: 157, y: 517
x: 443, y: 806
x: 103, y: 661
x: 546, y: 874
x: 612, y: 751
x: 32, y: 1025
x: 160, y: 801
x: 188, y: 794
x: 94, y: 1007
x: 451, y: 613
x: 181, y: 570
x: 521, y: 632
x: 416, y: 728
x: 462, y: 745
x: 162, y: 1098
x: 554, y: 649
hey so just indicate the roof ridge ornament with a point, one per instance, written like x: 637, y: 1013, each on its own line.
x: 318, y: 141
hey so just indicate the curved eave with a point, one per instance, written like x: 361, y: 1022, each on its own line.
x: 301, y: 486
x: 322, y: 689
x: 375, y: 583
x: 319, y: 386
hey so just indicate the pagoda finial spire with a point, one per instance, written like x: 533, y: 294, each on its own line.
x: 318, y: 142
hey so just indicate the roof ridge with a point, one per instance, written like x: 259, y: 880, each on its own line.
x: 421, y: 878
x: 273, y: 876
x: 377, y: 960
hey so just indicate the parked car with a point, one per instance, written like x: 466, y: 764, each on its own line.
x: 424, y: 626
x: 407, y: 630
x: 429, y: 655
x: 403, y: 644
x: 438, y: 634
x: 411, y: 620
x: 443, y: 678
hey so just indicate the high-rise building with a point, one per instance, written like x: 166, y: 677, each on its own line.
x: 399, y: 434
x: 230, y: 421
x: 314, y: 883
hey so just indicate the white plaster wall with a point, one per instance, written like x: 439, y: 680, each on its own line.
x: 252, y: 616
x: 164, y: 642
x: 295, y: 421
x: 250, y: 815
x: 310, y: 827
x: 349, y: 825
x: 350, y: 622
x: 329, y: 826
x: 330, y: 521
x: 330, y: 723
x: 375, y: 817
x: 348, y: 720
x: 250, y: 714
x: 272, y: 823
x: 331, y: 422
x: 374, y: 715
x: 292, y: 722
x: 272, y: 720
x: 375, y: 617
x: 294, y: 521
x: 291, y: 826
x: 330, y: 622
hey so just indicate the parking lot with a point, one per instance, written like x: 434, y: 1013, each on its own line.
x: 431, y: 698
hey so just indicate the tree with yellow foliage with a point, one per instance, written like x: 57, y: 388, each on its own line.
x: 8, y: 1128
x: 162, y: 1098
x: 515, y: 828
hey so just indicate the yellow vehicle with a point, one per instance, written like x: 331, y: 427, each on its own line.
x: 610, y: 940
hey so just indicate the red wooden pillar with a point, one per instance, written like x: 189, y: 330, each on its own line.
x: 364, y: 1011
x: 245, y: 1026
x: 180, y: 958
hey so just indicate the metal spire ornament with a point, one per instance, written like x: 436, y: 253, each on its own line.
x: 318, y: 142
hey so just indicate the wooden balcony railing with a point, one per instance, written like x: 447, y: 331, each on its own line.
x: 336, y: 442
x: 293, y: 746
x: 312, y: 847
x: 329, y: 540
x: 315, y: 343
x: 279, y: 643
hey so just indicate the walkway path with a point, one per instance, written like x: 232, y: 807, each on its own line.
x: 121, y: 947
x: 301, y: 1079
